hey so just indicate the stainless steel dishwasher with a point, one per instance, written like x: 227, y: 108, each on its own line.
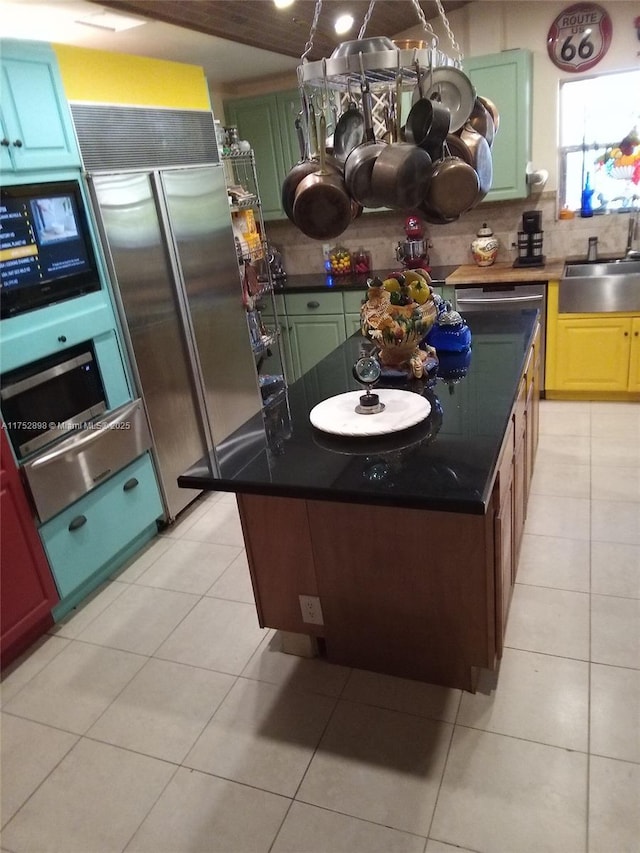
x: 503, y: 297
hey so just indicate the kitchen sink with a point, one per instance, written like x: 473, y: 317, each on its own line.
x: 622, y: 266
x: 600, y: 287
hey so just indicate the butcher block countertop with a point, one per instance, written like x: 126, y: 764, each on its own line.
x: 503, y: 272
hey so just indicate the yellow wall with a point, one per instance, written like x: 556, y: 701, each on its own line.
x: 117, y: 78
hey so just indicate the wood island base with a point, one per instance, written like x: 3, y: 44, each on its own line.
x: 402, y: 591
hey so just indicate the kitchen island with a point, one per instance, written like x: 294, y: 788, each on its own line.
x: 403, y: 548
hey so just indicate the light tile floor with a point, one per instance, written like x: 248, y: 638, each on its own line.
x: 160, y: 718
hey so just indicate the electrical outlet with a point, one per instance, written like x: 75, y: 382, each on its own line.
x: 513, y: 240
x: 326, y: 249
x: 310, y: 609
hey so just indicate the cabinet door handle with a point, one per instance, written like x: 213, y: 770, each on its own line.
x: 626, y: 334
x: 77, y: 522
x: 17, y: 143
x: 635, y: 334
x: 62, y: 339
x: 130, y: 484
x: 5, y: 142
x: 313, y: 304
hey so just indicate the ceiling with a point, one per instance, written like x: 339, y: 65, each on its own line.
x: 258, y: 23
x: 208, y: 32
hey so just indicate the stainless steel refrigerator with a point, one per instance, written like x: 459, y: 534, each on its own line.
x: 169, y: 244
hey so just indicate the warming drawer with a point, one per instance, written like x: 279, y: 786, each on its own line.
x: 76, y: 465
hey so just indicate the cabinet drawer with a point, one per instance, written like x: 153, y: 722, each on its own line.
x: 39, y: 333
x: 353, y: 301
x: 114, y: 514
x: 314, y: 303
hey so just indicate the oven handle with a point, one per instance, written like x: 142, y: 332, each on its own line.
x: 463, y: 301
x: 40, y: 378
x: 88, y: 435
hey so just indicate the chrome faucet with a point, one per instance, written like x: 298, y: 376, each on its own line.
x: 634, y: 226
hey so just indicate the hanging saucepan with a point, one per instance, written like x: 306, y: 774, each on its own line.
x: 481, y: 121
x: 322, y: 208
x: 452, y: 88
x: 358, y: 167
x: 453, y: 187
x: 401, y: 172
x: 481, y: 159
x: 349, y: 132
x: 427, y: 124
x: 304, y: 167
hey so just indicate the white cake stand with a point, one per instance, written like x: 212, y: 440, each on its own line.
x: 402, y: 409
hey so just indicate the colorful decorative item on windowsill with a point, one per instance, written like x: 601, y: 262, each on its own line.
x: 623, y: 161
x: 396, y: 316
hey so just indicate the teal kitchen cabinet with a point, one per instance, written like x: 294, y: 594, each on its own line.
x: 37, y: 131
x: 506, y: 79
x: 267, y: 122
x: 92, y: 538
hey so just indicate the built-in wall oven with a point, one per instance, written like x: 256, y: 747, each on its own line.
x: 503, y: 297
x: 56, y: 414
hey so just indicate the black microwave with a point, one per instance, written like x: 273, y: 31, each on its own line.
x: 51, y: 397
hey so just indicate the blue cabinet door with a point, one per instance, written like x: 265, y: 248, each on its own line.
x: 37, y: 128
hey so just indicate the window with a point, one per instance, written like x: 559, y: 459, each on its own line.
x: 600, y: 137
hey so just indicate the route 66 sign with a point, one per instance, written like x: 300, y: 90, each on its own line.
x: 579, y: 37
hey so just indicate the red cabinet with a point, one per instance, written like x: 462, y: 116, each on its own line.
x: 27, y: 587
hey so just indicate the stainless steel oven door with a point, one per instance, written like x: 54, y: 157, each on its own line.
x: 72, y: 467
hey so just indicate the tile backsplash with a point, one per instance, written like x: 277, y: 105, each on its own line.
x: 379, y: 232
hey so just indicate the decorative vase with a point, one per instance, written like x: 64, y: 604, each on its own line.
x: 485, y: 247
x: 398, y: 329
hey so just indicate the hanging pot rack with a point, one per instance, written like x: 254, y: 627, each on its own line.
x: 382, y: 67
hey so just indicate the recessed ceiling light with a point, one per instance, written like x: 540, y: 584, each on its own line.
x: 343, y: 24
x: 282, y: 4
x: 111, y: 21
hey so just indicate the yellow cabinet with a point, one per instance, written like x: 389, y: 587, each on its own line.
x: 593, y: 354
x: 634, y: 357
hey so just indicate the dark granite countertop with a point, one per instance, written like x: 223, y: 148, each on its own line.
x: 446, y: 463
x: 321, y: 281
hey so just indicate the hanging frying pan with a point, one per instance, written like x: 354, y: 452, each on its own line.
x: 304, y: 167
x: 453, y: 188
x: 481, y: 121
x: 481, y: 159
x: 349, y: 132
x: 401, y: 172
x: 322, y: 208
x: 358, y: 167
x: 493, y: 111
